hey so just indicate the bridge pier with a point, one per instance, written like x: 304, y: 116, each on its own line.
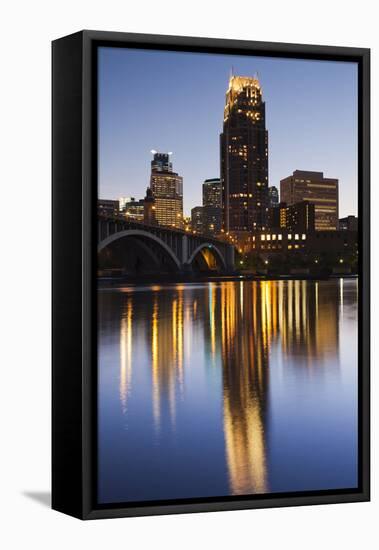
x: 184, y: 250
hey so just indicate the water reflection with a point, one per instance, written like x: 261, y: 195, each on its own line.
x: 221, y: 360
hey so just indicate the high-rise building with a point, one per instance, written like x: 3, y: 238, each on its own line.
x: 298, y: 217
x: 197, y: 219
x: 167, y: 189
x: 244, y: 157
x: 313, y: 187
x: 206, y: 220
x: 273, y: 196
x: 149, y: 208
x: 212, y: 192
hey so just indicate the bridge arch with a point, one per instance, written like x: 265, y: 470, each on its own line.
x: 212, y: 248
x: 143, y: 235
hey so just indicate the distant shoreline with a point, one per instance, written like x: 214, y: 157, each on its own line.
x: 143, y: 280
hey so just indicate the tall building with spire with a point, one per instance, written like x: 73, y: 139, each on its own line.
x: 244, y: 157
x: 167, y: 191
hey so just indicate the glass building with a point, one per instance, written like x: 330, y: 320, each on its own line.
x: 244, y: 157
x: 212, y: 192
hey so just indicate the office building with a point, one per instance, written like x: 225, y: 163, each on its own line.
x: 108, y: 207
x: 167, y: 190
x: 212, y: 192
x: 295, y: 217
x: 244, y: 158
x: 149, y: 217
x: 314, y: 188
x: 273, y: 196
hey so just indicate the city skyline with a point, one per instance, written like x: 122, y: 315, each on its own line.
x: 182, y: 95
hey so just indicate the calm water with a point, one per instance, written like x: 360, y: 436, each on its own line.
x: 228, y: 388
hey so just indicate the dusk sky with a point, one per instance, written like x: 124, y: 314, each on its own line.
x: 174, y: 101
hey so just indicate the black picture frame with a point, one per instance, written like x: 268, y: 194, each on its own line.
x: 74, y: 175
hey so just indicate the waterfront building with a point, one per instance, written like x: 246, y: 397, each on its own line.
x: 244, y: 158
x: 315, y: 244
x: 167, y: 190
x: 295, y: 217
x: 313, y: 187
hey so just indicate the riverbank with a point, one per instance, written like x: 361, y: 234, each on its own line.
x: 198, y: 278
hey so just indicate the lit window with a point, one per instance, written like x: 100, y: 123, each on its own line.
x: 273, y: 237
x: 263, y: 237
x: 303, y: 236
x: 289, y: 246
x: 296, y: 237
x: 268, y: 237
x: 280, y: 237
x: 289, y: 236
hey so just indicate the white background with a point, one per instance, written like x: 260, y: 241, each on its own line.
x: 26, y: 31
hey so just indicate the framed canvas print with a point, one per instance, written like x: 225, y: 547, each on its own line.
x: 210, y: 274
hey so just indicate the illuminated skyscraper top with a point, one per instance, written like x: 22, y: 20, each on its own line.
x: 244, y: 156
x: 161, y: 162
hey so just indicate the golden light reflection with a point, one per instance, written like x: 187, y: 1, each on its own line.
x: 126, y: 336
x: 239, y: 324
x: 167, y: 350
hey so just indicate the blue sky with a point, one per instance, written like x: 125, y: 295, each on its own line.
x: 173, y: 101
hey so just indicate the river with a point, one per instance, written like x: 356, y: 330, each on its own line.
x: 226, y: 388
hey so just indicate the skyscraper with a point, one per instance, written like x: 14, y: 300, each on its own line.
x: 149, y: 208
x: 167, y: 189
x: 313, y: 187
x: 273, y: 196
x: 212, y: 192
x: 244, y: 157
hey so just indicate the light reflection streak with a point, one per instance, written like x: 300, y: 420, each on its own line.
x: 241, y: 322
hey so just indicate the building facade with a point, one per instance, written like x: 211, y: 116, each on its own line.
x: 108, y: 207
x: 314, y: 188
x: 197, y: 219
x: 296, y: 217
x: 167, y: 190
x: 244, y: 157
x: 212, y: 193
x: 273, y: 196
x: 350, y: 223
x: 134, y: 210
x: 149, y: 217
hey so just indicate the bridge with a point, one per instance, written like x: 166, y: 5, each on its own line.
x: 134, y: 247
